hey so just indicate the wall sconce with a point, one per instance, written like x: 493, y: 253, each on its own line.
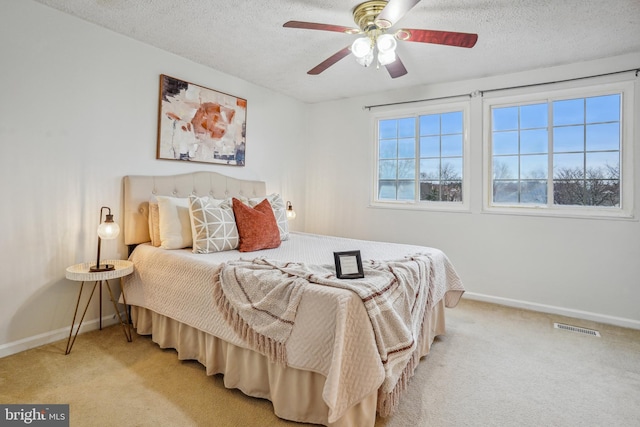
x: 291, y: 214
x: 106, y: 230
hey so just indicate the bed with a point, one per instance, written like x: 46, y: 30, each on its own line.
x: 331, y: 370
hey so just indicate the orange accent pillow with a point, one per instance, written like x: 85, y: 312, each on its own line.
x: 257, y: 226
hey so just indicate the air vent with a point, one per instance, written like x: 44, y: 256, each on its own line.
x: 577, y: 329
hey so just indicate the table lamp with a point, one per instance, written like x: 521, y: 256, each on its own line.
x: 291, y: 214
x: 106, y: 230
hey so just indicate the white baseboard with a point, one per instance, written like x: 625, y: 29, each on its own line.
x: 562, y: 311
x: 56, y: 335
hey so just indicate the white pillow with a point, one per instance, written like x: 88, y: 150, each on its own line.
x: 213, y: 225
x: 174, y: 221
x: 279, y: 210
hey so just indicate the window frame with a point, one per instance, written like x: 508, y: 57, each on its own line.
x: 439, y: 108
x: 626, y: 90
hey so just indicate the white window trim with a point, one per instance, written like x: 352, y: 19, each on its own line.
x: 626, y: 210
x: 440, y: 108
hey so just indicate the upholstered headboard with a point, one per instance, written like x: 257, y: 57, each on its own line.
x: 139, y: 189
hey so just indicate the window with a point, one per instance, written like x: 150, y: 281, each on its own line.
x: 421, y: 158
x: 565, y: 153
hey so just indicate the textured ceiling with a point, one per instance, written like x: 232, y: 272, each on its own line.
x: 245, y: 38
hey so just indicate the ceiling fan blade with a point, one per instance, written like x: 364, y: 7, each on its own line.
x: 394, y: 10
x: 322, y: 27
x: 396, y: 68
x: 449, y: 38
x: 329, y: 61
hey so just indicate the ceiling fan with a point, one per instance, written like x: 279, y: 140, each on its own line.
x: 375, y: 19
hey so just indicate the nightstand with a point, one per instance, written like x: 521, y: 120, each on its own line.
x: 81, y: 273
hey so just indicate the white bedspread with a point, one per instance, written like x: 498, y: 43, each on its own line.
x: 332, y: 334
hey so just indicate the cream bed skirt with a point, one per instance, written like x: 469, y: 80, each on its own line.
x: 296, y: 394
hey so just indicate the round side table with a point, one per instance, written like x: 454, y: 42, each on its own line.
x: 81, y: 273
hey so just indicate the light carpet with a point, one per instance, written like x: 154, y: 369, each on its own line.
x: 496, y: 366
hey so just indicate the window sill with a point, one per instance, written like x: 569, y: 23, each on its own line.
x: 424, y: 206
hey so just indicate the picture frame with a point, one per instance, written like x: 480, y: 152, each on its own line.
x: 198, y: 124
x: 348, y: 265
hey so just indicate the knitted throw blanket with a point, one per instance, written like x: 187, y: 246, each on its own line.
x: 259, y: 299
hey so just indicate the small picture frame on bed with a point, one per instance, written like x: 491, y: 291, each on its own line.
x: 348, y: 265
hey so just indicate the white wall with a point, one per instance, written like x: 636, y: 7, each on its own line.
x: 580, y: 267
x: 78, y: 111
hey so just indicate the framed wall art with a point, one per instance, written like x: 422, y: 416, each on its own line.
x: 199, y: 124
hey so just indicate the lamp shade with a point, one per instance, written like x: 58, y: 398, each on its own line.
x: 361, y: 47
x: 387, y: 57
x: 108, y: 230
x: 386, y: 43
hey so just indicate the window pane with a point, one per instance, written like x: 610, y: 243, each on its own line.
x: 387, y: 190
x: 430, y: 146
x: 406, y: 190
x: 430, y: 190
x: 603, y: 109
x: 534, y: 167
x: 505, y: 191
x: 430, y: 125
x: 452, y: 122
x: 406, y: 169
x: 387, y: 169
x: 407, y: 148
x: 430, y: 169
x: 533, y: 192
x: 505, y: 167
x: 451, y: 191
x: 600, y: 192
x: 533, y: 141
x: 568, y: 112
x: 407, y: 128
x: 388, y: 149
x: 451, y: 169
x: 568, y: 166
x: 452, y: 145
x: 604, y: 165
x: 569, y: 138
x: 603, y: 137
x: 505, y: 143
x: 387, y: 129
x: 568, y: 192
x: 505, y: 118
x: 533, y: 116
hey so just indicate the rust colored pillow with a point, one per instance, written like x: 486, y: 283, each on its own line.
x: 257, y: 226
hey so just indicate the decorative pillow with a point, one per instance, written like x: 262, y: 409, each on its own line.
x: 213, y: 225
x: 174, y: 221
x: 154, y: 223
x: 257, y: 226
x: 279, y: 211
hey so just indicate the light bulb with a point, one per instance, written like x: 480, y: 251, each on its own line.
x: 386, y: 43
x: 361, y: 47
x: 108, y: 229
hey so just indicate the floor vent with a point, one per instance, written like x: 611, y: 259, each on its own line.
x: 577, y: 329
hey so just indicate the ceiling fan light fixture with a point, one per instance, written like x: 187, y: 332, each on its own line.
x: 361, y: 47
x: 386, y: 43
